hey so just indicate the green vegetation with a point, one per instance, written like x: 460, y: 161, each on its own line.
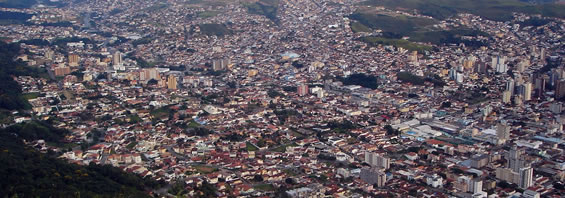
x: 29, y: 96
x: 27, y: 173
x: 449, y: 37
x: 115, y: 11
x: 37, y: 42
x: 471, y: 96
x: 7, y: 18
x: 131, y: 145
x: 410, y: 78
x: 289, y: 88
x: 208, y: 14
x: 267, y: 8
x: 194, y: 1
x: 35, y: 130
x: 390, y: 131
x: 499, y: 10
x: 50, y: 3
x: 282, y: 148
x: 206, y: 190
x: 162, y: 112
x: 416, y: 29
x: 250, y: 147
x: 62, y: 42
x: 435, y: 79
x: 359, y: 27
x: 214, y: 29
x: 203, y: 169
x: 396, y: 24
x: 361, y: 79
x: 199, y: 131
x: 17, y: 3
x: 297, y: 134
x: 193, y: 124
x: 264, y: 187
x: 283, y: 115
x: 342, y: 127
x: 274, y: 93
x: 204, y: 3
x: 535, y: 21
x: 141, y: 41
x: 234, y: 137
x: 419, y: 80
x: 134, y: 118
x: 372, y: 40
x: 143, y: 63
x: 58, y: 24
x: 156, y: 7
x: 326, y: 156
x: 10, y: 91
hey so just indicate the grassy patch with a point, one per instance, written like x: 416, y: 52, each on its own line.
x: 194, y: 2
x: 134, y: 118
x: 193, y: 124
x: 297, y: 135
x: 155, y: 7
x: 267, y: 8
x: 250, y: 147
x: 203, y: 169
x: 208, y: 2
x: 397, y: 43
x: 161, y: 112
x: 131, y: 145
x: 281, y: 149
x: 264, y: 187
x: 32, y: 95
x: 290, y: 172
x: 208, y: 14
x: 214, y: 29
x: 359, y: 27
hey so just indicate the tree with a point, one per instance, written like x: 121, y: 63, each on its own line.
x: 261, y: 143
x: 152, y: 82
x: 559, y: 186
x: 445, y: 104
x: 361, y: 79
x: 409, y: 77
x: 390, y: 131
x: 503, y: 184
x: 289, y: 181
x: 257, y: 178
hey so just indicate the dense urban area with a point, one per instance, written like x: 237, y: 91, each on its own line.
x: 282, y: 98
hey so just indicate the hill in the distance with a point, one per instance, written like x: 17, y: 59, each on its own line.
x: 17, y: 3
x: 499, y: 10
